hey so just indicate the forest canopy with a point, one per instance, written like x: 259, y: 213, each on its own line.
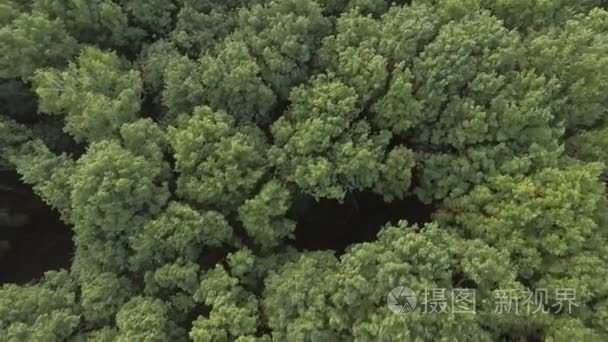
x: 270, y: 170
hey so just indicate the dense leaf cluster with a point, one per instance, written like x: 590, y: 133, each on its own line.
x: 182, y: 140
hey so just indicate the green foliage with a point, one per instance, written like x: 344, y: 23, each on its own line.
x: 578, y: 59
x: 534, y: 15
x: 352, y: 57
x: 476, y: 103
x: 541, y: 221
x: 145, y: 138
x: 200, y: 26
x: 318, y: 297
x: 154, y: 59
x: 283, y: 35
x: 233, y: 309
x: 526, y: 16
x: 226, y: 80
x: 12, y: 136
x: 180, y: 231
x: 101, y: 22
x: 396, y: 174
x: 47, y: 172
x: 219, y: 163
x: 183, y: 89
x: 176, y: 282
x: 144, y: 319
x: 103, y: 295
x: 97, y: 95
x: 589, y: 146
x: 322, y: 147
x: 114, y: 191
x: 203, y: 153
x: 9, y: 11
x: 154, y: 16
x: 398, y: 110
x: 263, y: 215
x: 47, y: 311
x: 110, y: 184
x: 405, y: 31
x: 29, y: 42
x: 102, y: 335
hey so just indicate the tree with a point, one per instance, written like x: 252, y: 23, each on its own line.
x: 476, y: 103
x: 226, y: 80
x: 153, y: 16
x: 102, y: 22
x: 233, y: 310
x: 578, y: 49
x: 179, y: 232
x: 283, y: 35
x: 264, y: 215
x: 153, y: 60
x: 113, y: 191
x: 542, y: 221
x: 252, y: 170
x: 219, y: 163
x: 589, y: 146
x: 30, y: 42
x: 322, y: 147
x: 97, y: 95
x: 529, y: 17
x: 318, y: 297
x: 201, y: 25
x: 144, y: 319
x: 47, y: 172
x: 45, y: 311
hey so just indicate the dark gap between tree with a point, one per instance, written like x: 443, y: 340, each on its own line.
x: 328, y: 224
x: 33, y: 239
